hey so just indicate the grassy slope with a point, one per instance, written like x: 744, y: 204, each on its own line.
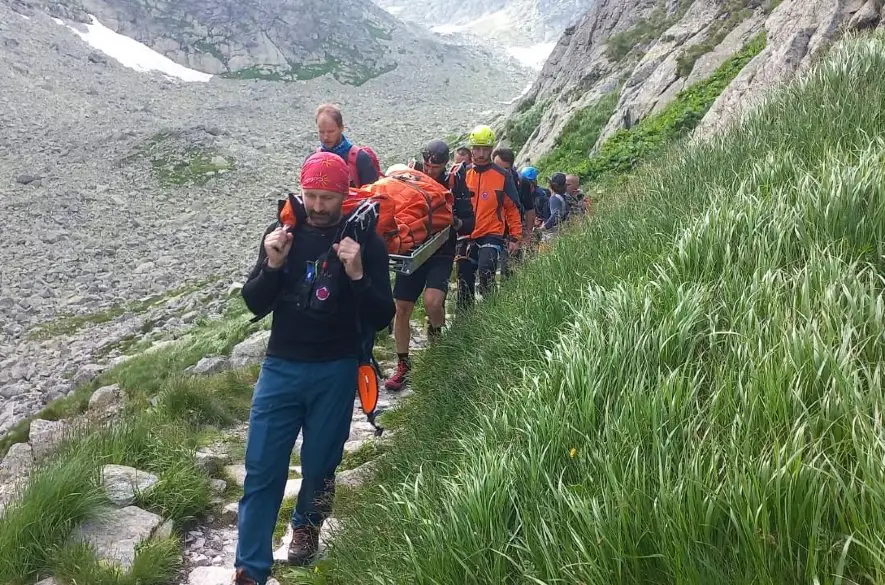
x: 65, y: 490
x: 685, y: 389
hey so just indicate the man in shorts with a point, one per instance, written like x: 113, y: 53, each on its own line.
x: 432, y: 278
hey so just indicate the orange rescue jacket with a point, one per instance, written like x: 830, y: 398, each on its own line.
x: 495, y: 209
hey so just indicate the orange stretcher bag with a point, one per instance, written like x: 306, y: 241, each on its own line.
x: 412, y: 207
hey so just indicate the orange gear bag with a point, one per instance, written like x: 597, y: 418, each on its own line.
x: 411, y: 208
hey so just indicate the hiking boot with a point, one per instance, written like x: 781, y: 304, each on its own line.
x: 399, y: 379
x: 240, y: 578
x: 304, y: 545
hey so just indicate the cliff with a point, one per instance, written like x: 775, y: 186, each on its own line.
x: 649, y: 50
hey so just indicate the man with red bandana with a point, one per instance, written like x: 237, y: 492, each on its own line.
x: 319, y: 290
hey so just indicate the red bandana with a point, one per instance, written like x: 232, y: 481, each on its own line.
x: 325, y: 171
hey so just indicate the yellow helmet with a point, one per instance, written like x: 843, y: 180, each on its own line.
x: 481, y: 136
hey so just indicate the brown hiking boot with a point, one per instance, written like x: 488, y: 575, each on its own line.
x: 240, y: 578
x: 304, y: 545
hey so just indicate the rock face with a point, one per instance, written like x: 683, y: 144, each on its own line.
x: 349, y: 39
x: 798, y: 31
x: 650, y: 50
x: 512, y: 22
x: 116, y: 536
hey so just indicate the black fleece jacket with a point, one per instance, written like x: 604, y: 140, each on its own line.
x: 324, y: 320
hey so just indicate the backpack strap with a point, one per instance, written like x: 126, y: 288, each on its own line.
x: 351, y: 164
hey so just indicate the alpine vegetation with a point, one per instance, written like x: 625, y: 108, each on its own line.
x: 687, y: 388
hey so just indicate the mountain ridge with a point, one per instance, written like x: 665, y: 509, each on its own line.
x: 649, y: 50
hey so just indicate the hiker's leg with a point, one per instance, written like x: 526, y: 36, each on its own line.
x: 504, y: 262
x: 488, y: 263
x: 406, y: 290
x: 467, y: 279
x: 438, y: 273
x: 435, y: 305
x: 402, y: 330
x: 276, y: 417
x: 326, y: 429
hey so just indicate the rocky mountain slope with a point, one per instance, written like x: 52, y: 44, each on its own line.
x: 354, y: 41
x: 526, y: 29
x: 122, y: 187
x: 649, y: 50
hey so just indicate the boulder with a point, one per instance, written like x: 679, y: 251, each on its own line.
x: 45, y: 435
x: 354, y: 478
x: 18, y: 462
x: 237, y: 472
x: 104, y: 397
x: 218, y: 486
x: 211, y: 365
x: 210, y: 576
x: 219, y: 161
x: 26, y: 179
x: 165, y: 530
x: 208, y: 461
x: 86, y: 374
x: 122, y: 483
x: 250, y: 351
x: 230, y: 512
x: 7, y: 414
x: 115, y: 535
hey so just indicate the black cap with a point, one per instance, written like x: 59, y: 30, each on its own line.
x: 558, y: 179
x: 436, y: 152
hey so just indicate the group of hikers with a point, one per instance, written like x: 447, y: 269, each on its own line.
x: 327, y: 285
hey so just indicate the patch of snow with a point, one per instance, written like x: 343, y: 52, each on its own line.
x: 521, y: 94
x: 396, y: 10
x: 59, y: 21
x: 26, y: 17
x: 450, y: 29
x: 534, y: 56
x: 483, y: 27
x: 133, y: 54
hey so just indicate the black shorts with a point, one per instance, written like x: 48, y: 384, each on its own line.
x: 435, y: 273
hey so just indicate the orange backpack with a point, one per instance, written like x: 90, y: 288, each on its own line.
x: 411, y: 208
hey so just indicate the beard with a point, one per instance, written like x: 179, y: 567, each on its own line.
x: 323, y: 219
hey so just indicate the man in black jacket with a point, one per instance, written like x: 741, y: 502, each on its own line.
x: 324, y: 291
x: 432, y: 278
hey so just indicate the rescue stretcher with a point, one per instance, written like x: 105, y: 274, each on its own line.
x: 408, y: 263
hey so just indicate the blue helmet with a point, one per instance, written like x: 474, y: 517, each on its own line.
x: 529, y: 173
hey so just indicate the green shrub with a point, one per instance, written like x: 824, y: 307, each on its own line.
x: 520, y: 127
x: 628, y: 146
x: 573, y: 146
x: 685, y: 389
x: 730, y: 15
x: 622, y: 44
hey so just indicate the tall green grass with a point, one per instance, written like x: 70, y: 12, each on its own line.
x: 65, y: 490
x: 686, y: 389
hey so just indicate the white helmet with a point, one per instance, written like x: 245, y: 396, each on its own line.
x: 397, y: 168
